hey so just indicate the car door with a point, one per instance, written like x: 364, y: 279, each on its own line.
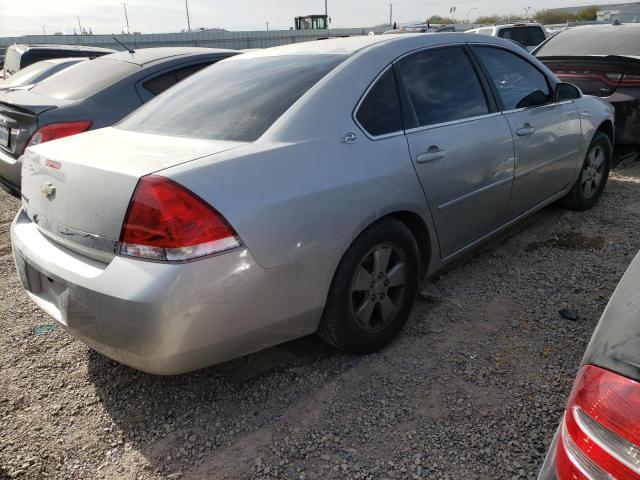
x: 460, y: 145
x: 547, y: 134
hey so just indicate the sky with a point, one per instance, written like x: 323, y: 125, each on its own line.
x: 158, y: 16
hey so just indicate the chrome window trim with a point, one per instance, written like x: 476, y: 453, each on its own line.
x: 452, y: 122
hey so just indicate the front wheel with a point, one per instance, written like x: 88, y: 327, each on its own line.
x: 373, y: 290
x: 593, y: 176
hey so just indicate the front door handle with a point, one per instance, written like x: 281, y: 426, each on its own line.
x: 434, y: 153
x: 526, y: 131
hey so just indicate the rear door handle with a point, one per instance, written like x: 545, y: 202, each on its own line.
x: 431, y: 155
x: 526, y: 131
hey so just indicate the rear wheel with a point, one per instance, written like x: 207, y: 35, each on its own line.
x: 373, y: 290
x: 593, y: 176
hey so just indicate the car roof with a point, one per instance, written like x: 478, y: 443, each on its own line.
x: 145, y: 56
x: 352, y: 45
x: 52, y: 46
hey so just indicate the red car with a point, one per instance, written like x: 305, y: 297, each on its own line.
x: 602, y: 60
x: 599, y: 435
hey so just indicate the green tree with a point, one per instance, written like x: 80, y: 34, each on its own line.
x: 588, y: 13
x: 553, y: 17
x: 488, y: 20
x: 440, y: 20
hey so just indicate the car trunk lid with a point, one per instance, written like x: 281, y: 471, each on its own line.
x: 598, y: 75
x: 78, y: 189
x: 19, y: 110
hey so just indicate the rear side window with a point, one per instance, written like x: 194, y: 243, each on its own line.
x: 519, y: 84
x: 380, y: 112
x: 442, y: 86
x: 160, y: 83
x: 527, y: 36
x: 237, y: 99
x: 85, y: 79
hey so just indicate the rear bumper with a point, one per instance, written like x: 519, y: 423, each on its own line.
x: 10, y: 174
x: 169, y: 318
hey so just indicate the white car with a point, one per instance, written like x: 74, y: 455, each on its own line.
x: 529, y: 35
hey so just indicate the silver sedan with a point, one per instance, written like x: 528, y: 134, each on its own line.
x: 299, y: 189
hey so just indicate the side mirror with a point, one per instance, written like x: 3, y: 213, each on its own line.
x: 566, y: 91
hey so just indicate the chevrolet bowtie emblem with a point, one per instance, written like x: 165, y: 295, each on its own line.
x: 47, y: 189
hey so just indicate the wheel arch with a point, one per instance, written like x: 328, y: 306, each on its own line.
x: 606, y: 127
x: 420, y: 232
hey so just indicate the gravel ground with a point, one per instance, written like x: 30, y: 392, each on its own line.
x: 472, y: 389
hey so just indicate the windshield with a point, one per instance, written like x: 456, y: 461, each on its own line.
x: 27, y: 75
x: 85, y: 79
x: 236, y: 99
x: 610, y: 40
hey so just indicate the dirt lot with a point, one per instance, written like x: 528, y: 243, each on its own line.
x: 473, y: 388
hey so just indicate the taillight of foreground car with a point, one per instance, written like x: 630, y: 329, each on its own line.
x: 167, y: 222
x: 600, y: 431
x: 54, y: 131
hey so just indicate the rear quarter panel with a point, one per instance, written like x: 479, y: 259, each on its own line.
x: 299, y: 191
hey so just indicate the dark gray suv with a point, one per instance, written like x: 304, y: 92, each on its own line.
x: 90, y: 95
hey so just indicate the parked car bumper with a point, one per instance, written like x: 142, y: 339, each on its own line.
x: 627, y: 124
x: 169, y: 318
x: 10, y: 174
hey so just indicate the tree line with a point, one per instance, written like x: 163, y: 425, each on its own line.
x: 542, y: 16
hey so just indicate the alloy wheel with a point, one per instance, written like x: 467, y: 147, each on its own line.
x: 592, y: 172
x: 378, y: 287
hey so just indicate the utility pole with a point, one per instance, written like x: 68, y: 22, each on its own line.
x: 126, y: 17
x: 391, y: 15
x: 526, y: 12
x: 43, y: 32
x: 186, y: 4
x: 267, y: 26
x: 326, y: 11
x: 452, y: 11
x: 79, y: 25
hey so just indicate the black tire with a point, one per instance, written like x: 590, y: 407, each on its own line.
x: 579, y: 197
x: 340, y: 326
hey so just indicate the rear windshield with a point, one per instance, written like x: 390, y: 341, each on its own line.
x: 26, y: 75
x: 85, y: 79
x: 614, y: 40
x: 527, y: 36
x: 236, y: 99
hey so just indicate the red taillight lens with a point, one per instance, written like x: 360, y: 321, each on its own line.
x: 167, y: 222
x: 54, y: 131
x: 630, y: 80
x: 600, y: 432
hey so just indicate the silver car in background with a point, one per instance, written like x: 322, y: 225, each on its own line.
x: 298, y: 189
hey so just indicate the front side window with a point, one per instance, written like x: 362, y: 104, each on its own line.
x: 380, y: 112
x: 442, y: 86
x: 236, y: 99
x: 519, y: 84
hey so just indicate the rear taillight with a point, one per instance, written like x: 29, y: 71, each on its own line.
x: 167, y: 222
x: 600, y: 431
x: 630, y: 80
x: 54, y: 131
